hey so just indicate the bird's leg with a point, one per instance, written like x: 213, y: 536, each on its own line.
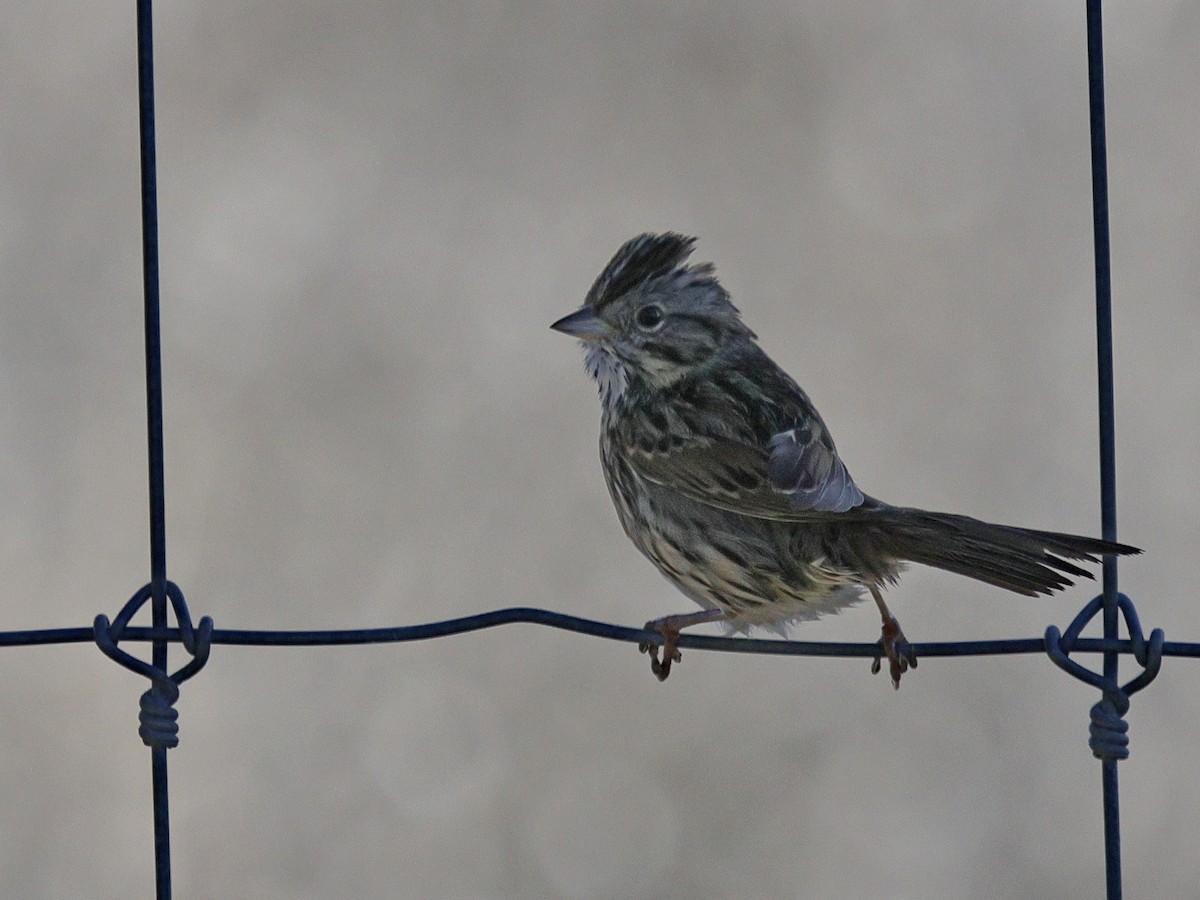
x: 669, y: 627
x: 897, y: 663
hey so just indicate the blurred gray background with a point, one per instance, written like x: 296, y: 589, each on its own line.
x: 370, y: 212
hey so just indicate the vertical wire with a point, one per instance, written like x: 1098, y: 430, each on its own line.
x: 1104, y: 366
x: 154, y: 424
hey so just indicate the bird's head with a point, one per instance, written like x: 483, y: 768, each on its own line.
x: 651, y: 316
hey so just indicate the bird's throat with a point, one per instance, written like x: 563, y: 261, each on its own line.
x: 608, y: 372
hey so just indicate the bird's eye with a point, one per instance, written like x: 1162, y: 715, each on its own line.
x: 649, y: 317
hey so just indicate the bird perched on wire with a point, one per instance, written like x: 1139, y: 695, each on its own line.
x: 725, y: 477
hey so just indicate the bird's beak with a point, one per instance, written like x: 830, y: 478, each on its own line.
x: 583, y: 324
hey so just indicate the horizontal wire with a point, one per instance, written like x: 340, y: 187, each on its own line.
x: 528, y: 615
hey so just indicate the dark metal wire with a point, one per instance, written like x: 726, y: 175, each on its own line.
x: 1108, y: 460
x: 515, y: 615
x: 154, y: 425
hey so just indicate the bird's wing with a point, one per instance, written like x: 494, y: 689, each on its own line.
x: 760, y: 469
x: 723, y: 474
x: 805, y: 466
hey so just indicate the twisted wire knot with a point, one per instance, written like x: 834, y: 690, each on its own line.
x: 1109, y: 730
x: 158, y: 716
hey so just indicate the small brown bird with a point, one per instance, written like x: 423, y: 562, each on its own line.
x: 726, y: 478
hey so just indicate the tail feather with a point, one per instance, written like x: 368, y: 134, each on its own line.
x: 1019, y: 559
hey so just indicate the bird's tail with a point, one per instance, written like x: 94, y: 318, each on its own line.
x: 1020, y: 559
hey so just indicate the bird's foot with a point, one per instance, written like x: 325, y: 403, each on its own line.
x: 669, y: 627
x: 670, y: 653
x: 898, y: 661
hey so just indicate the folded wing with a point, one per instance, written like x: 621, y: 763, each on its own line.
x: 795, y: 477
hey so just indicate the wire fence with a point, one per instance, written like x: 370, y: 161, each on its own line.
x: 159, y: 729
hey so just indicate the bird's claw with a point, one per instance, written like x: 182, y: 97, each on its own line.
x: 898, y: 662
x: 670, y: 653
